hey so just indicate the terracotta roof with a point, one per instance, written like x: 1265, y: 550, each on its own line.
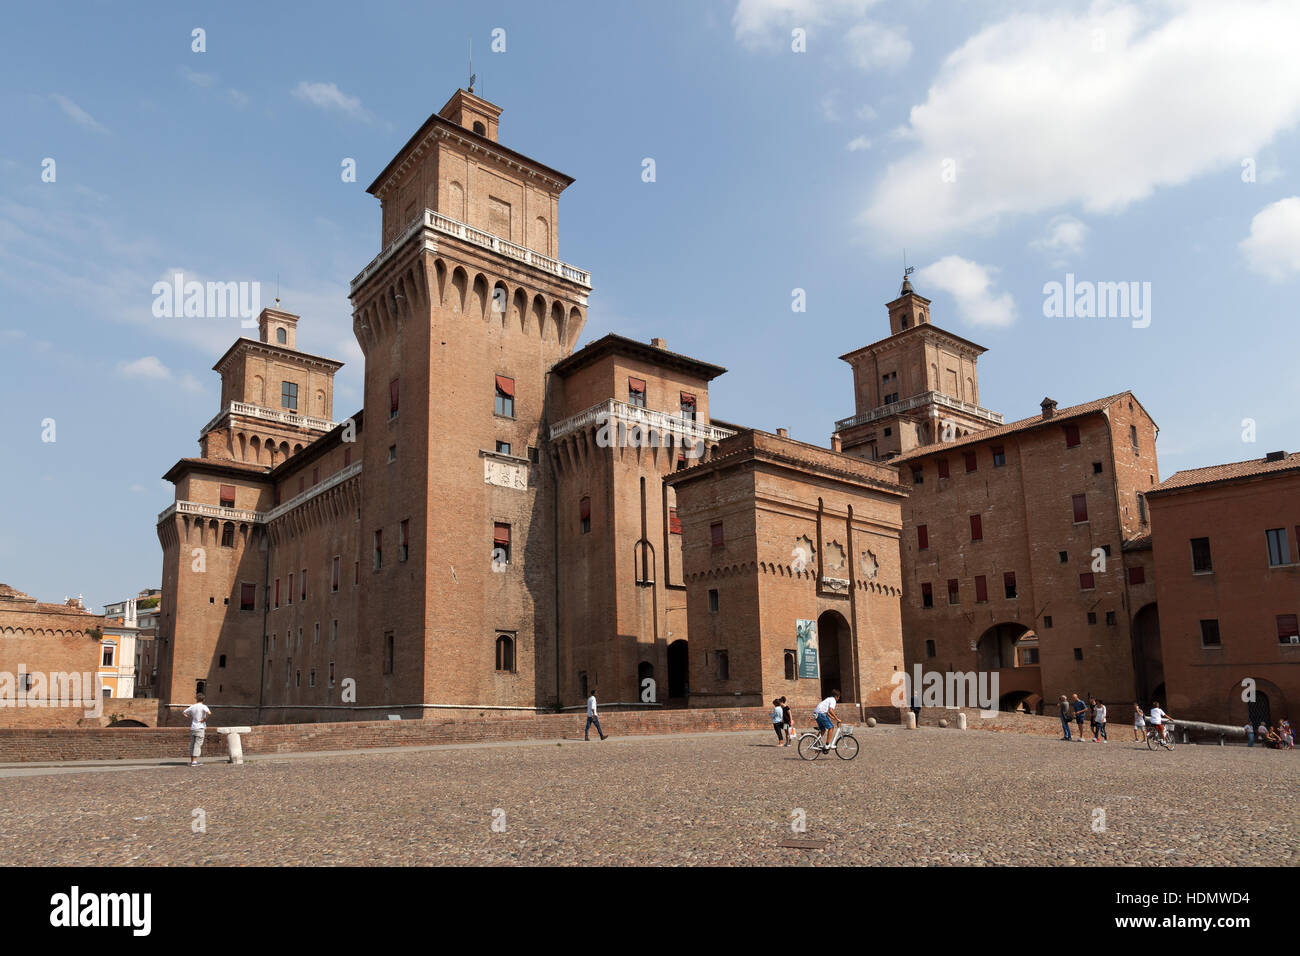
x: 613, y: 344
x: 220, y: 465
x: 8, y: 593
x: 1025, y: 424
x: 1140, y: 543
x: 1234, y: 471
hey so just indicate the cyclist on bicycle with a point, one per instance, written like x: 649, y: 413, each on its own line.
x: 1158, y: 718
x: 827, y: 719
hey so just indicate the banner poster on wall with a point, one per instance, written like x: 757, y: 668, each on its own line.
x: 806, y: 643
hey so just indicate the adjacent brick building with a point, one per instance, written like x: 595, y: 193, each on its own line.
x: 49, y: 653
x: 1227, y: 560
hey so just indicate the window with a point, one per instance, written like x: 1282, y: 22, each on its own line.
x: 291, y: 588
x: 347, y: 457
x: 1009, y: 583
x: 228, y: 535
x: 303, y: 593
x: 1133, y: 438
x: 227, y: 496
x: 505, y: 397
x: 1111, y: 619
x: 500, y: 543
x: 388, y: 652
x: 289, y: 396
x: 1078, y: 653
x: 1087, y: 582
x: 1096, y: 468
x: 688, y: 406
x: 976, y: 528
x: 888, y: 432
x: 929, y: 649
x: 315, y: 634
x: 999, y: 456
x: 981, y: 589
x: 392, y: 453
x: 891, y: 398
x: 1080, y: 503
x: 789, y: 665
x: 674, y: 522
x: 392, y: 399
x: 943, y: 467
x: 1063, y: 557
x: 724, y: 665
x: 334, y: 574
x: 954, y: 591
x: 311, y: 677
x: 584, y: 516
x: 331, y: 672
x: 1028, y: 657
x: 277, y: 592
x: 1210, y: 634
x: 356, y: 573
x: 715, y: 534
x: 972, y: 462
x: 1142, y: 507
x: 1092, y: 617
x: 334, y: 630
x: 713, y: 600
x: 109, y: 649
x: 1047, y: 621
x: 505, y: 653
x: 404, y: 539
x: 922, y: 537
x: 918, y: 475
x: 379, y: 549
x: 636, y: 392
x: 1105, y: 549
x: 1201, y: 563
x: 247, y: 596
x: 1279, y: 550
x: 503, y: 448
x: 1071, y: 436
x: 1288, y: 631
x: 281, y: 337
x: 927, y: 595
x: 1137, y: 575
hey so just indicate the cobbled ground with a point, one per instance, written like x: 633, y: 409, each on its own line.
x: 926, y: 797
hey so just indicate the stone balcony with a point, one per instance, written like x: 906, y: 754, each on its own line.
x: 258, y: 517
x: 917, y: 401
x: 660, y: 423
x: 292, y: 419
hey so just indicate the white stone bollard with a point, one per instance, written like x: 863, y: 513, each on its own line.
x: 911, y: 720
x: 234, y: 745
x: 961, y: 720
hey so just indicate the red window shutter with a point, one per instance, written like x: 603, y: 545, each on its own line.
x: 392, y: 397
x: 715, y: 533
x: 1009, y: 580
x: 981, y: 588
x: 636, y: 384
x: 584, y: 509
x: 922, y: 537
x: 277, y: 592
x: 1288, y: 626
x: 506, y: 386
x: 688, y: 400
x: 927, y: 591
x: 954, y: 590
x: 501, y: 534
x: 1137, y: 575
x: 1080, y: 508
x: 674, y: 522
x: 971, y: 462
x: 247, y: 596
x: 976, y: 528
x: 1071, y: 436
x: 1086, y: 581
x: 943, y: 467
x: 227, y: 496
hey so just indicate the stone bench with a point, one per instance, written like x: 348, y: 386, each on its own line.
x: 234, y: 746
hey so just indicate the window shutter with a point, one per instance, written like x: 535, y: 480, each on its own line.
x: 715, y: 532
x: 922, y: 537
x: 392, y: 397
x: 674, y: 522
x: 688, y: 400
x: 943, y: 467
x: 976, y: 528
x: 1080, y: 508
x: 501, y: 534
x: 981, y: 588
x: 636, y: 385
x: 584, y: 509
x: 227, y: 496
x: 506, y: 386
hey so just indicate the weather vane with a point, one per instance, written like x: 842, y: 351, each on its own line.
x: 472, y: 75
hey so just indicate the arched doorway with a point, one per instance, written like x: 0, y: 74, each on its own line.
x: 1148, y: 661
x: 998, y: 646
x: 835, y: 655
x: 1010, y: 651
x: 678, y: 670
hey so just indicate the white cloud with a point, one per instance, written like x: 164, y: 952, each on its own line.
x: 971, y: 287
x: 237, y: 98
x: 874, y: 46
x: 866, y: 112
x: 204, y: 80
x: 327, y: 96
x: 1098, y: 109
x: 150, y: 368
x: 1273, y: 247
x: 77, y: 114
x: 858, y: 143
x: 1065, y: 236
x: 760, y: 22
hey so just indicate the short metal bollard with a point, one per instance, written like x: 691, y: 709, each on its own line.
x: 235, y: 746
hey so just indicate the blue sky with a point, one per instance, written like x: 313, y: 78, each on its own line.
x: 1002, y: 144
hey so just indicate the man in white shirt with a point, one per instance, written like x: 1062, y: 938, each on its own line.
x: 592, y: 718
x: 1158, y: 717
x: 198, y: 713
x: 827, y: 719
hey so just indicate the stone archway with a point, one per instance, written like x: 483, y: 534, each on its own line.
x: 835, y: 655
x: 678, y: 670
x: 1148, y: 660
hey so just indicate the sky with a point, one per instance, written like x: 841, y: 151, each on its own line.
x: 801, y: 152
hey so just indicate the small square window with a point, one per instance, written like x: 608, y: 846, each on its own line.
x: 1071, y: 436
x: 1047, y: 621
x: 1092, y: 617
x: 713, y: 600
x: 929, y: 648
x: 1137, y: 575
x: 1096, y: 468
x: 943, y: 467
x: 1063, y: 556
x: 999, y: 456
x: 927, y: 595
x: 503, y: 448
x: 392, y: 453
x: 918, y: 475
x: 1111, y: 619
x: 1087, y: 582
x: 1288, y: 629
x: 1078, y: 653
x: 1210, y: 633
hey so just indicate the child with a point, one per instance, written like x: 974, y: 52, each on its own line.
x: 1139, y: 722
x: 789, y: 724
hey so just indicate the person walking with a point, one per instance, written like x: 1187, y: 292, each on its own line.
x: 778, y: 721
x: 788, y: 721
x: 1080, y: 711
x: 592, y: 718
x: 916, y: 705
x: 1065, y: 717
x: 1250, y: 734
x: 1139, y: 722
x: 198, y: 713
x: 1098, y: 721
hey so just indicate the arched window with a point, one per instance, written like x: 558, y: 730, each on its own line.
x: 480, y: 129
x: 724, y: 666
x: 789, y: 665
x: 505, y: 653
x: 281, y: 337
x: 110, y: 650
x: 228, y: 535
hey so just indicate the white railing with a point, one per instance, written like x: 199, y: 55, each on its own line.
x: 916, y: 401
x: 270, y: 415
x: 259, y: 517
x: 661, y: 422
x: 459, y: 230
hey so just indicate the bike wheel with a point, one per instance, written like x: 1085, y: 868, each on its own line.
x: 847, y: 748
x: 1151, y: 741
x: 1168, y: 743
x: 807, y: 748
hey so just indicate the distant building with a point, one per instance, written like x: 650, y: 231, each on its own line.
x: 129, y: 662
x: 47, y: 651
x: 1227, y: 559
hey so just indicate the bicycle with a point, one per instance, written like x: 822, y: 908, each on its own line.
x: 1155, y: 738
x: 843, y: 743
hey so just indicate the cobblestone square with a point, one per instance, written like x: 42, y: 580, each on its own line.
x: 928, y: 797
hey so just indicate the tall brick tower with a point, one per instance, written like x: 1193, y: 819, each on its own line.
x: 461, y: 318
x: 916, y: 387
